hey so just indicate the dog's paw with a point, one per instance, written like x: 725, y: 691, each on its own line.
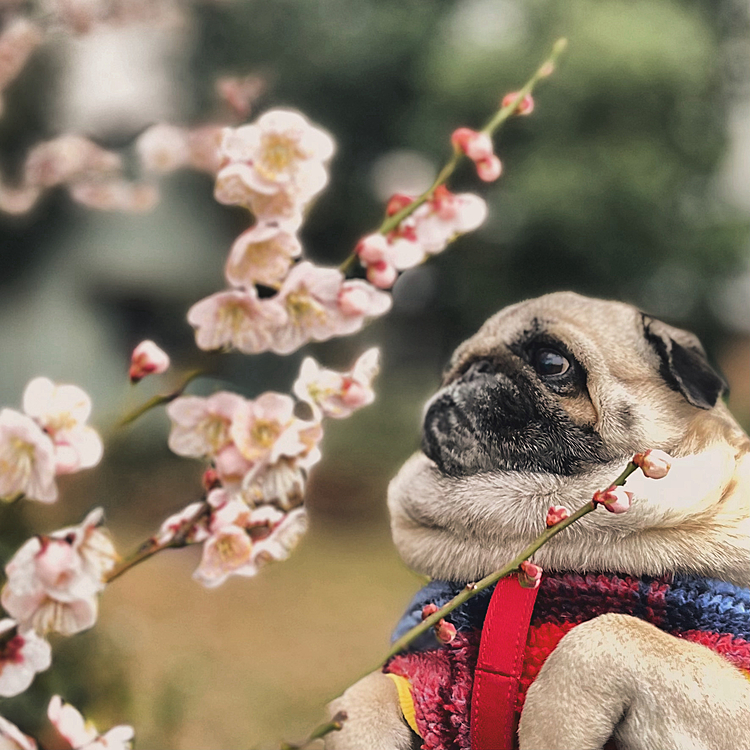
x: 618, y: 676
x: 373, y: 717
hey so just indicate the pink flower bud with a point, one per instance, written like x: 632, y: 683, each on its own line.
x: 530, y: 575
x: 477, y: 146
x: 372, y: 249
x: 429, y: 609
x: 147, y: 359
x: 489, y: 169
x: 614, y: 499
x: 397, y: 203
x: 445, y: 631
x: 382, y: 274
x: 210, y: 479
x: 525, y: 106
x: 654, y: 464
x: 556, y: 514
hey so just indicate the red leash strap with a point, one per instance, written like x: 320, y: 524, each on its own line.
x: 501, y: 652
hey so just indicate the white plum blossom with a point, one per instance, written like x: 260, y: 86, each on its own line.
x: 262, y: 255
x: 27, y: 459
x: 244, y: 540
x: 447, y: 215
x: 82, y: 734
x: 282, y: 483
x: 202, y: 426
x: 22, y: 654
x: 281, y: 147
x: 359, y: 299
x: 66, y: 159
x: 53, y: 581
x: 62, y: 411
x: 338, y: 394
x: 147, y: 359
x: 12, y: 738
x: 311, y: 295
x: 236, y: 318
x: 175, y: 524
x: 115, y: 194
x: 163, y: 148
x: 266, y: 429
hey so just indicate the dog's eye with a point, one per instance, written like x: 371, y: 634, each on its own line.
x: 548, y: 362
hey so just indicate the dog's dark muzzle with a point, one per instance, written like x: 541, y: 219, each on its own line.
x: 493, y: 421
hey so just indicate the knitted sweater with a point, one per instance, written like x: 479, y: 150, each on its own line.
x: 703, y: 610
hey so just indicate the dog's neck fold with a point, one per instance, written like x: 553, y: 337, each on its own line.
x: 696, y: 520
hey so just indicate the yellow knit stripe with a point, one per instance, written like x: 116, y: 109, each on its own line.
x: 403, y: 686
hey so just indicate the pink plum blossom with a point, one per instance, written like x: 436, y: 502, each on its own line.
x: 27, y: 459
x: 555, y: 514
x: 266, y: 429
x: 262, y: 255
x: 176, y: 524
x: 201, y: 426
x: 115, y: 195
x: 242, y: 541
x: 615, y: 499
x: 147, y: 359
x: 445, y: 216
x: 231, y: 467
x: 68, y: 158
x: 357, y: 298
x: 312, y: 298
x: 239, y: 93
x: 238, y: 319
x: 62, y: 411
x: 203, y: 148
x: 530, y: 575
x: 163, y: 148
x: 655, y: 464
x: 281, y: 147
x: 526, y: 105
x: 338, y: 394
x: 22, y: 654
x: 82, y: 734
x: 12, y: 738
x: 53, y: 581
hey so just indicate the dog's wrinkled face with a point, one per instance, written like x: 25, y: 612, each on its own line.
x: 544, y: 405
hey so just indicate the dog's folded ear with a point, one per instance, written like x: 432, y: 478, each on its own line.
x: 684, y: 365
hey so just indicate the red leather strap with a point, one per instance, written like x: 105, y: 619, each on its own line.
x: 501, y: 652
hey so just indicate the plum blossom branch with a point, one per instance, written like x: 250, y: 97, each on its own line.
x: 156, y: 544
x: 158, y: 400
x: 472, y: 589
x: 390, y: 223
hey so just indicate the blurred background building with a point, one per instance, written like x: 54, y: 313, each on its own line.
x: 630, y: 181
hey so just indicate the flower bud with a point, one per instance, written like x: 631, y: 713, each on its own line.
x: 210, y: 479
x: 382, y: 274
x: 397, y: 203
x: 614, y: 499
x: 477, y: 146
x: 489, y: 169
x: 525, y: 106
x: 654, y: 464
x: 372, y: 248
x: 445, y: 631
x: 147, y: 359
x: 429, y: 609
x: 530, y: 575
x: 556, y: 514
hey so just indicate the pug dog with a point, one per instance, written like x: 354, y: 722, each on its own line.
x: 543, y: 406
